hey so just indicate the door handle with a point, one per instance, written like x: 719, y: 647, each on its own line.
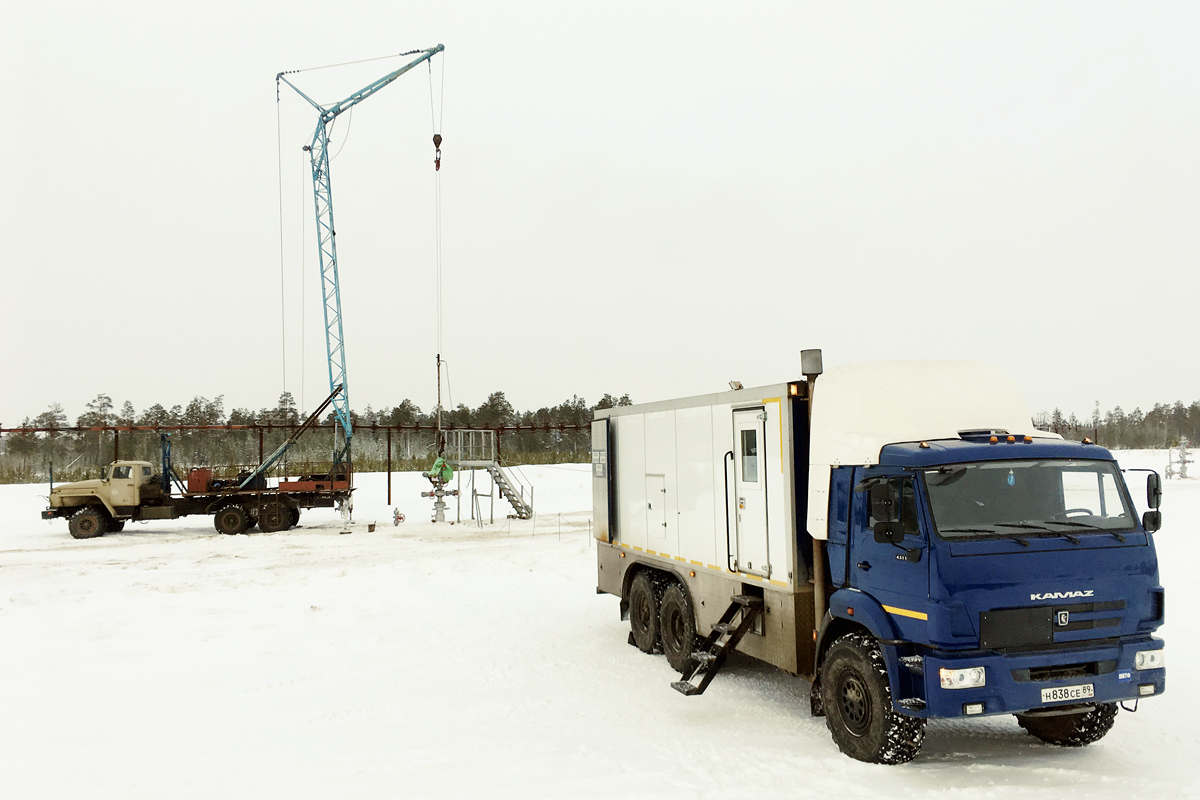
x: 864, y: 565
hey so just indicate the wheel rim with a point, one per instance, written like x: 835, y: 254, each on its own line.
x: 855, y: 704
x: 673, y: 633
x: 87, y: 524
x: 642, y: 612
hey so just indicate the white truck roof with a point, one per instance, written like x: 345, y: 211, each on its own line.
x: 859, y: 408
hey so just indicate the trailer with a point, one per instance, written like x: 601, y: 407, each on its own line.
x: 897, y: 533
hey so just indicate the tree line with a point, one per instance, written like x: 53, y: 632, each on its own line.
x: 27, y: 457
x: 1163, y: 427
x: 75, y: 455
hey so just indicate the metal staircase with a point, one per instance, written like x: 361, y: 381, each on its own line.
x: 515, y: 496
x: 710, y: 654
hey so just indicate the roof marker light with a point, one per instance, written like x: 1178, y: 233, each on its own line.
x: 924, y: 445
x: 993, y: 440
x: 1028, y: 439
x: 1011, y: 439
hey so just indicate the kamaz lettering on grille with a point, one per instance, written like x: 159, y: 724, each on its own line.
x: 1060, y: 595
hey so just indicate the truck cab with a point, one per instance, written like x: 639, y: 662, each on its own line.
x: 102, y: 504
x: 1001, y: 574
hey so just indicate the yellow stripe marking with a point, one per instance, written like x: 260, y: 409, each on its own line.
x: 779, y: 412
x: 778, y: 583
x: 904, y: 612
x: 710, y: 566
x: 680, y: 558
x: 698, y: 563
x: 635, y: 547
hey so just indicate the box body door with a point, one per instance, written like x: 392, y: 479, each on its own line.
x: 750, y: 491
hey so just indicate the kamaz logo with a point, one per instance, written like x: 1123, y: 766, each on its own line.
x: 1060, y: 595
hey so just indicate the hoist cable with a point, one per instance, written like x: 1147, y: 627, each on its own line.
x: 303, y: 269
x: 437, y: 208
x: 348, y: 63
x: 282, y: 286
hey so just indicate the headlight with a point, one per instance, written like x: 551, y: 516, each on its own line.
x: 1150, y: 659
x: 969, y: 678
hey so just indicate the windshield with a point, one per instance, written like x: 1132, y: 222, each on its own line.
x: 1027, y: 498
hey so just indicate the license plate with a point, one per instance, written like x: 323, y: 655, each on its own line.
x: 1060, y: 694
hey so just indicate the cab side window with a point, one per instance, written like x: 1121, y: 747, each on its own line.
x: 122, y: 473
x: 895, y: 500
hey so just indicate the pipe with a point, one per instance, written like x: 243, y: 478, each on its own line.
x: 818, y: 544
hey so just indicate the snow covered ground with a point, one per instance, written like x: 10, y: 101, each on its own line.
x: 451, y: 661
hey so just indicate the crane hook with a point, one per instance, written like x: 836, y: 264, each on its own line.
x: 437, y: 145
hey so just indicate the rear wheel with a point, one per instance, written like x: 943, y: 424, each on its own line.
x: 88, y: 523
x: 231, y: 520
x: 858, y: 704
x: 1072, y: 730
x: 643, y: 612
x: 677, y: 627
x: 274, y: 517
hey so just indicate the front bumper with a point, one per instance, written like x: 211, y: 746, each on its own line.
x: 1015, y: 681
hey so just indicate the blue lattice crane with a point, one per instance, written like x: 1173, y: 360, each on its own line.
x: 327, y: 238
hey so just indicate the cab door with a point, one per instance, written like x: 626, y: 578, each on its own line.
x: 123, y: 485
x: 889, y: 545
x: 750, y: 491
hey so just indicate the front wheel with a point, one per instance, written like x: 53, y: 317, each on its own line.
x: 88, y: 523
x: 858, y: 704
x: 1072, y: 730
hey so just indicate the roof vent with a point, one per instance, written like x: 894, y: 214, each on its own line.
x: 976, y: 433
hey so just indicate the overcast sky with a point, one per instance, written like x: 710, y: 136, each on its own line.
x: 652, y: 198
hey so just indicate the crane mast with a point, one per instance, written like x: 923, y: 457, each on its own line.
x: 335, y: 344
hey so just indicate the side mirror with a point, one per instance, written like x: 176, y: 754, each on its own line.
x: 1152, y: 520
x: 1153, y: 490
x: 888, y: 533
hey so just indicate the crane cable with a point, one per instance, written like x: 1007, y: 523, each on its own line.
x: 436, y: 120
x: 282, y: 293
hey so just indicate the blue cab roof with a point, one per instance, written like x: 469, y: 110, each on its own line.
x: 955, y: 451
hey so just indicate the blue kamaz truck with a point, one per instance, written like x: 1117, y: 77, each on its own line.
x: 897, y: 533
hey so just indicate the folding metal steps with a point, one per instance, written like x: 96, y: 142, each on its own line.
x: 515, y: 499
x: 710, y: 654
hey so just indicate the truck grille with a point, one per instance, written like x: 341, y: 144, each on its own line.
x: 1046, y: 626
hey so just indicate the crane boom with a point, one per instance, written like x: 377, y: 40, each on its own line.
x: 335, y: 344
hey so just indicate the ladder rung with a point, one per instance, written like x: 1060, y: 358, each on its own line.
x: 746, y: 600
x: 724, y: 627
x: 683, y: 687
